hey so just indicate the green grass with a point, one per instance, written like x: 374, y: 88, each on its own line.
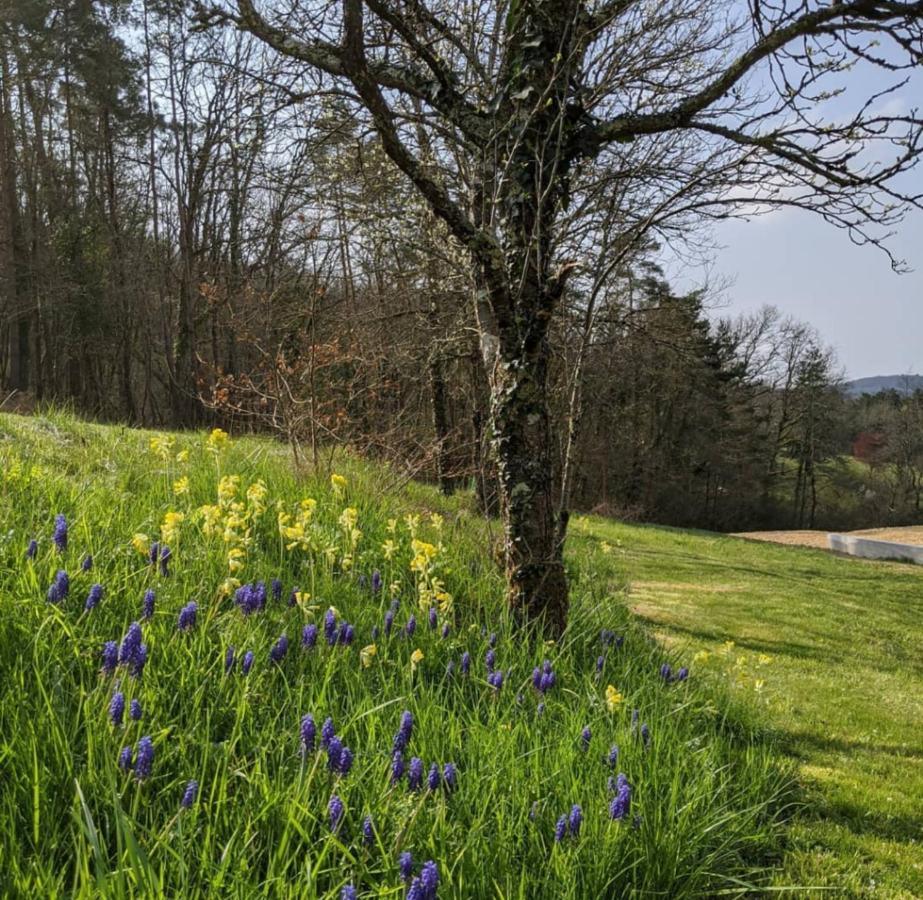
x: 843, y: 686
x: 708, y: 792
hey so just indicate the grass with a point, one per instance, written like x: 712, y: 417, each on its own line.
x: 843, y: 684
x: 707, y: 791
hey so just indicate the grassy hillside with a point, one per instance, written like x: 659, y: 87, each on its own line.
x: 832, y: 650
x: 97, y: 801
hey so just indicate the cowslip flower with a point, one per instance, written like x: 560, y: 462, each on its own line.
x: 117, y: 708
x: 367, y: 654
x: 187, y: 616
x: 110, y: 657
x: 189, y: 794
x: 415, y: 774
x: 416, y: 658
x: 135, y: 711
x: 86, y: 563
x: 613, y: 698
x: 575, y: 820
x: 144, y: 761
x: 59, y: 536
x: 246, y: 664
x: 309, y: 636
x: 147, y: 605
x: 404, y: 731
x: 32, y: 549
x: 93, y: 598
x: 337, y: 811
x: 279, y: 649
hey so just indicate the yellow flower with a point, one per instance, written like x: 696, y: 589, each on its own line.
x: 236, y: 558
x: 162, y: 446
x: 436, y: 521
x: 389, y: 548
x: 338, y: 482
x: 701, y: 656
x: 217, y: 440
x: 228, y: 586
x: 367, y: 654
x: 302, y: 598
x: 728, y: 647
x: 348, y: 518
x: 758, y: 685
x: 764, y: 659
x: 182, y: 456
x: 169, y: 530
x: 211, y: 516
x: 415, y: 659
x: 412, y: 522
x: 392, y: 526
x: 227, y: 488
x: 141, y: 543
x: 613, y: 698
x: 181, y: 486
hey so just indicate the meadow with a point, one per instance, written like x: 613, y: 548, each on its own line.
x: 329, y: 682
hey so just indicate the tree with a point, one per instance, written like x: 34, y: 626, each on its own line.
x: 524, y: 102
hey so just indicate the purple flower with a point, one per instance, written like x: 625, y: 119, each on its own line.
x: 433, y: 618
x: 136, y: 666
x: 666, y: 673
x: 330, y: 627
x: 125, y: 762
x: 495, y: 680
x: 376, y: 581
x: 334, y: 752
x: 86, y: 563
x: 411, y: 626
x: 375, y: 632
x: 540, y: 709
x: 247, y: 599
x: 131, y: 643
x: 397, y: 767
x: 404, y: 731
x: 309, y: 636
x: 93, y: 598
x: 429, y: 879
x: 389, y: 622
x: 621, y: 803
x: 348, y: 892
x: 646, y: 735
x: 445, y: 630
x: 60, y: 532
x: 336, y: 810
x: 279, y: 649
x: 32, y: 549
x: 147, y: 605
x: 144, y: 761
x: 154, y: 553
x: 415, y: 891
x: 465, y: 663
x: 259, y: 594
x: 117, y: 708
x: 134, y: 710
x: 165, y: 556
x: 190, y: 794
x: 490, y: 659
x: 368, y: 831
x: 110, y: 657
x: 246, y: 664
x: 327, y: 732
x: 575, y: 820
x: 560, y: 829
x: 346, y: 634
x: 346, y: 761
x: 60, y: 587
x: 433, y: 779
x: 405, y: 865
x: 682, y: 674
x: 276, y: 589
x: 308, y: 733
x: 613, y: 756
x: 293, y: 596
x: 634, y: 718
x: 415, y: 774
x: 229, y: 661
x: 493, y: 639
x: 450, y: 776
x: 585, y: 736
x: 600, y: 662
x: 187, y: 616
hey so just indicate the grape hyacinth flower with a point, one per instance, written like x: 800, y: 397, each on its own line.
x: 411, y: 626
x: 308, y: 733
x: 131, y: 643
x: 415, y: 774
x: 346, y: 634
x: 493, y: 639
x: 147, y: 605
x: 429, y: 879
x: 375, y: 632
x: 327, y: 733
x: 60, y: 587
x: 389, y: 622
x: 165, y: 556
x: 330, y: 627
x: 93, y: 598
x: 346, y: 761
x: 348, y: 892
x: 125, y: 763
x: 613, y: 756
x: 134, y: 710
x: 600, y: 662
x: 666, y: 673
x: 540, y: 709
x: 309, y: 636
x: 621, y: 803
x: 376, y: 581
x: 276, y: 589
x: 136, y: 666
x: 229, y: 661
x: 117, y: 708
x: 415, y: 891
x: 433, y: 618
x: 144, y: 762
x: 465, y: 663
x: 86, y: 563
x: 490, y: 659
x: 404, y: 731
x: 60, y: 532
x: 634, y: 719
x: 405, y: 865
x: 645, y: 735
x: 259, y: 594
x: 336, y: 810
x: 682, y: 674
x: 32, y: 549
x: 397, y: 767
x: 110, y: 657
x: 434, y: 778
x: 560, y: 829
x: 495, y: 680
x: 334, y: 752
x: 190, y: 794
x: 368, y: 831
x: 246, y: 664
x: 154, y: 553
x: 445, y: 630
x: 575, y: 820
x: 450, y: 776
x: 585, y: 737
x: 187, y: 616
x: 279, y: 649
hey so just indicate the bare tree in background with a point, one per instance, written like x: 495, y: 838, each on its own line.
x: 520, y: 101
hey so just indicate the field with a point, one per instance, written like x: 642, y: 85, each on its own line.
x: 831, y: 649
x: 188, y: 768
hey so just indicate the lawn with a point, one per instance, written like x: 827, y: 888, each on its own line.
x: 190, y: 768
x: 831, y: 650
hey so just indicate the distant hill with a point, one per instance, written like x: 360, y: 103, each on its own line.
x: 903, y: 384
